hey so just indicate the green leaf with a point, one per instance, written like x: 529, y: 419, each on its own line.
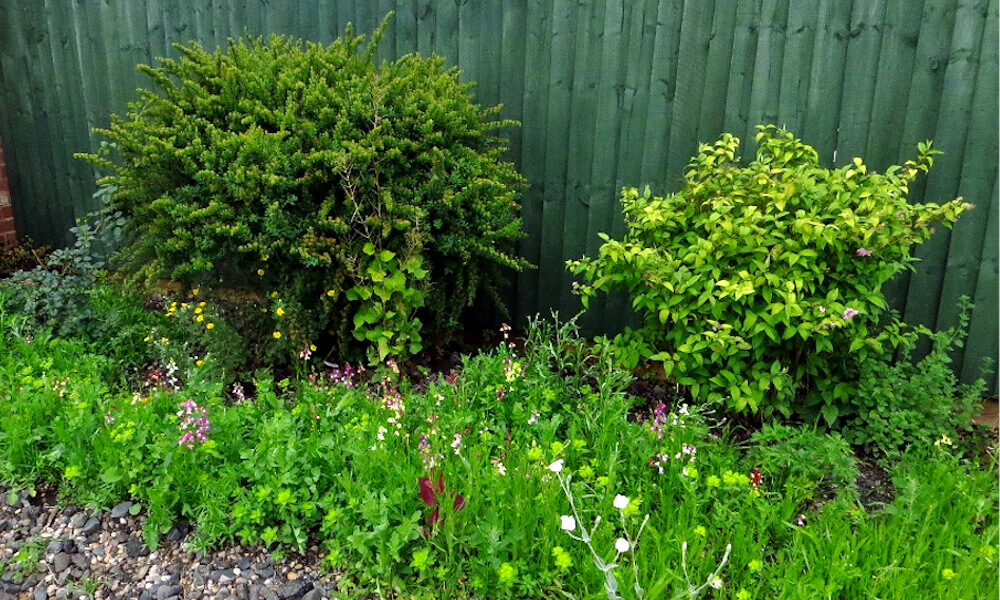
x: 830, y: 413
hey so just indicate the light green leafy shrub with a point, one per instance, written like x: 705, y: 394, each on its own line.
x: 756, y: 282
x: 370, y: 201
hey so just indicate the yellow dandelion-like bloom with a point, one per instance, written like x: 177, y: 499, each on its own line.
x: 312, y: 347
x: 198, y: 310
x: 194, y: 292
x: 331, y: 293
x: 277, y: 335
x: 280, y: 312
x: 201, y: 304
x: 145, y: 339
x: 209, y: 325
x: 200, y: 318
x: 199, y: 362
x: 184, y: 305
x: 260, y: 272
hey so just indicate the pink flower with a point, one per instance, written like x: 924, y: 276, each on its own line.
x: 849, y: 313
x: 864, y: 252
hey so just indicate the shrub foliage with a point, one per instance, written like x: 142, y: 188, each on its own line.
x: 756, y: 281
x: 367, y: 200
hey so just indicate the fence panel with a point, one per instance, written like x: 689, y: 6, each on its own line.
x: 610, y: 93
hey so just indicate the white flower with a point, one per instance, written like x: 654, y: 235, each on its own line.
x: 621, y: 545
x: 715, y: 582
x: 568, y: 523
x: 621, y: 502
x: 557, y: 466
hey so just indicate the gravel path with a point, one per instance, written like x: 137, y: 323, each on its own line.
x: 49, y: 552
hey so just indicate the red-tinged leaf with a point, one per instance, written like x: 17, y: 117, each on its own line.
x: 459, y: 502
x: 429, y: 491
x: 433, y: 517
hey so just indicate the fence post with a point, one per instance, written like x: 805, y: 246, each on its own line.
x: 8, y: 234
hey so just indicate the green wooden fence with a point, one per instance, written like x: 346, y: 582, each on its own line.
x: 610, y: 93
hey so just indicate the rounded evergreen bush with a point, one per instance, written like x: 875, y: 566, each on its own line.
x: 366, y: 201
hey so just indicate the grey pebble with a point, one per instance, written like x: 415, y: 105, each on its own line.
x: 168, y: 591
x: 78, y: 519
x: 120, y: 511
x: 41, y: 594
x: 92, y: 526
x: 135, y: 547
x: 293, y: 590
x: 61, y: 562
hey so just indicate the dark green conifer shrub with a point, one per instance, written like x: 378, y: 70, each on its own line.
x: 367, y: 201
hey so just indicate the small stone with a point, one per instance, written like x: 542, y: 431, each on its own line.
x: 78, y: 519
x: 92, y: 526
x: 168, y: 591
x: 293, y: 590
x: 244, y: 563
x: 222, y: 576
x: 61, y: 562
x: 135, y: 547
x: 313, y: 594
x: 120, y: 511
x: 41, y: 594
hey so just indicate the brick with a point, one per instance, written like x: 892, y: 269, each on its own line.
x: 4, y: 198
x: 6, y: 213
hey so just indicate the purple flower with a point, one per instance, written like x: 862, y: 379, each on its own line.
x: 849, y: 313
x: 864, y: 252
x: 194, y: 424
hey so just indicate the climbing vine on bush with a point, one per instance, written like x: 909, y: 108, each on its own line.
x: 369, y: 201
x: 755, y: 281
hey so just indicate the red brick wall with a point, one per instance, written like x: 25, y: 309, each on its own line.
x: 7, y: 232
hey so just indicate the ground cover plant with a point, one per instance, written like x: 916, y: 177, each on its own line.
x: 522, y: 473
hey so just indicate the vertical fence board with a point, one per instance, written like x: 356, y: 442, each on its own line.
x: 965, y: 253
x: 892, y: 82
x: 716, y: 74
x: 766, y: 87
x: 556, y: 150
x: 829, y: 55
x: 741, y: 71
x: 534, y: 125
x: 800, y: 41
x: 983, y: 327
x: 961, y: 67
x: 696, y: 30
x: 662, y: 91
x: 862, y: 63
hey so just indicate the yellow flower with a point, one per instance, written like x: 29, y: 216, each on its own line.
x: 198, y: 310
x: 754, y: 566
x: 312, y: 347
x: 277, y: 335
x: 200, y: 318
x: 260, y: 272
x: 201, y: 304
x: 194, y: 292
x: 331, y: 293
x: 699, y: 530
x: 948, y: 574
x: 280, y: 312
x: 712, y: 481
x: 145, y: 339
x: 199, y: 362
x: 209, y: 325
